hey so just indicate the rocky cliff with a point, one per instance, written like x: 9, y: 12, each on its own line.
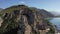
x: 24, y: 21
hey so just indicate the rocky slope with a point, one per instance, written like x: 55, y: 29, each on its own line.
x: 43, y: 12
x: 24, y: 21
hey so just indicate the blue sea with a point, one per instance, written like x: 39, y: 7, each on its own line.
x: 56, y: 21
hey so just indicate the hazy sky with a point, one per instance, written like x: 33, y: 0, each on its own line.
x: 50, y: 5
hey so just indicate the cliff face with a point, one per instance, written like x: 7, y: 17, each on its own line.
x: 29, y: 22
x: 24, y: 21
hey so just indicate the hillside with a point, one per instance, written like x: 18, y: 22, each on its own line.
x: 43, y: 12
x: 22, y: 19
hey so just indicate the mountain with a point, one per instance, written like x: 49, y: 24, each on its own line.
x: 21, y: 19
x: 43, y: 12
x: 57, y: 14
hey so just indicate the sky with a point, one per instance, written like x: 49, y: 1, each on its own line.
x: 49, y: 5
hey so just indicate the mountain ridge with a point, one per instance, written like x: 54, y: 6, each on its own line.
x: 41, y: 11
x: 55, y: 13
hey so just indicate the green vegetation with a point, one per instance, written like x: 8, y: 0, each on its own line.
x: 52, y: 30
